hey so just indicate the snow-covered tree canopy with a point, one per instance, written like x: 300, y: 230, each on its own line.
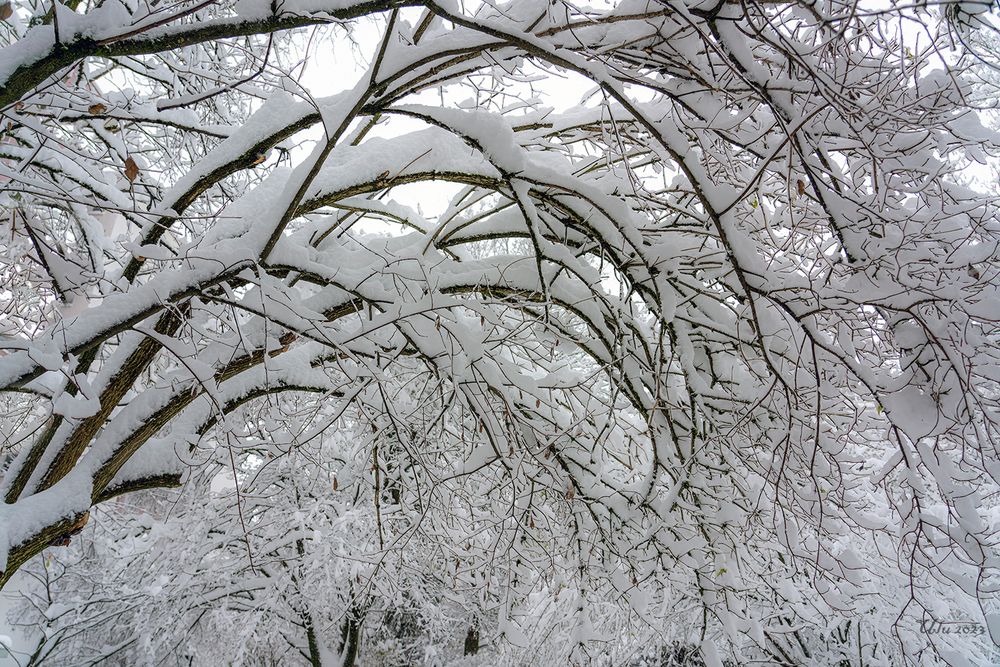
x: 672, y: 318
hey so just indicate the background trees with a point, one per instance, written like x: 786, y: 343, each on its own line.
x: 707, y: 356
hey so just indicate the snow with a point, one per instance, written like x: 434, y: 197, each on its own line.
x: 426, y: 151
x: 68, y: 498
x: 487, y: 131
x: 30, y: 48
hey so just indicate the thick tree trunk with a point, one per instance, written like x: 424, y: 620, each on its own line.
x: 472, y: 641
x: 350, y: 639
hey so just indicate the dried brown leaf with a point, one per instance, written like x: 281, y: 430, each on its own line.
x: 131, y: 170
